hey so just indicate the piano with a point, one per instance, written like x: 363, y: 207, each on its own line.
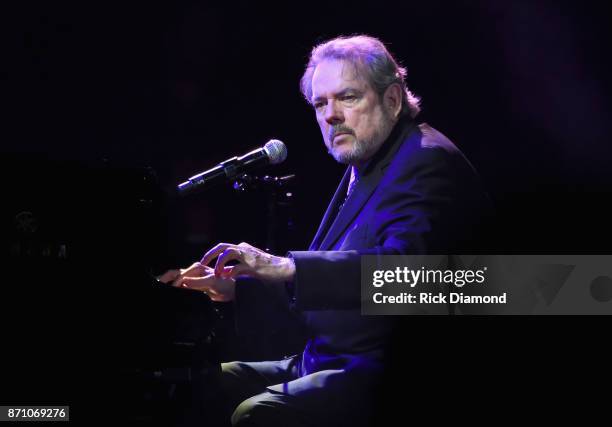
x: 84, y: 321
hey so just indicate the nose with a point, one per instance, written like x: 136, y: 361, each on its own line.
x: 333, y: 113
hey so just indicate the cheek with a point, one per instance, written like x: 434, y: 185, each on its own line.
x: 324, y: 130
x: 359, y: 122
x: 322, y: 123
x: 370, y: 122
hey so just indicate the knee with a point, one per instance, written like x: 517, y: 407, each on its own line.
x: 252, y: 412
x: 264, y: 409
x: 230, y: 368
x: 230, y: 376
x: 236, y: 386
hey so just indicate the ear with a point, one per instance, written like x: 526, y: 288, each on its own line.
x: 392, y: 100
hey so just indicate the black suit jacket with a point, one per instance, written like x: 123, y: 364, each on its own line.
x: 417, y: 195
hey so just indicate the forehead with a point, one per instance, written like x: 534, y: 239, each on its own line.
x: 332, y: 76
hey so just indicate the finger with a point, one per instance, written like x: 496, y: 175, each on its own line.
x: 226, y: 272
x: 228, y: 255
x: 202, y: 284
x: 237, y: 270
x: 233, y: 271
x: 177, y: 282
x: 168, y: 276
x: 194, y: 270
x: 214, y: 252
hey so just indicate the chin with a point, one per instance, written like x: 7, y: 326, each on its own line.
x: 347, y: 158
x: 343, y: 160
x: 342, y: 155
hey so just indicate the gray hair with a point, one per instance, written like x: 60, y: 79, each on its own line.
x: 370, y: 57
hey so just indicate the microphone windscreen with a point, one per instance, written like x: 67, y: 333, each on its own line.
x: 276, y: 150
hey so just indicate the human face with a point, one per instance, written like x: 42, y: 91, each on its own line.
x: 352, y: 118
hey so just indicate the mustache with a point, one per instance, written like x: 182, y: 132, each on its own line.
x: 336, y: 129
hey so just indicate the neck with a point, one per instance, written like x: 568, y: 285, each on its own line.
x: 359, y: 166
x: 362, y: 164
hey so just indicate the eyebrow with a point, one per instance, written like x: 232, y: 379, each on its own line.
x: 339, y: 94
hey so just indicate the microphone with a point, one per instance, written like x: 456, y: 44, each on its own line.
x: 273, y: 152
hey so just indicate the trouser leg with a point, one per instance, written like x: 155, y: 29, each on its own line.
x: 270, y: 409
x: 240, y: 381
x: 270, y: 394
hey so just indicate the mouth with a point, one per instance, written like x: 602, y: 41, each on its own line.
x: 338, y: 135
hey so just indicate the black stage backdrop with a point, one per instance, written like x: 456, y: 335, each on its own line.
x: 168, y: 89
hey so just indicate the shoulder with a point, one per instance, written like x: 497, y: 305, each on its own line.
x: 424, y: 143
x: 432, y: 138
x: 424, y: 138
x: 427, y: 152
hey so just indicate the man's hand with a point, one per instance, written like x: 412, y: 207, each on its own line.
x: 202, y: 278
x: 196, y: 269
x: 252, y: 262
x: 169, y: 276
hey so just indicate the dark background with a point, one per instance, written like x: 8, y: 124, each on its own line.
x: 521, y: 87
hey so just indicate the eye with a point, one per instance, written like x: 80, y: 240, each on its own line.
x: 318, y: 105
x: 349, y: 98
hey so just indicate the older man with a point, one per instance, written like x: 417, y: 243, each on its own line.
x: 407, y: 190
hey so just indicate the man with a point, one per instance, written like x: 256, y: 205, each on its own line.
x: 407, y: 190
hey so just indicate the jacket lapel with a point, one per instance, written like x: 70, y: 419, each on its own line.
x: 360, y: 195
x: 331, y: 211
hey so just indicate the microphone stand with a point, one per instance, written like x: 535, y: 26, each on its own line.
x: 278, y: 197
